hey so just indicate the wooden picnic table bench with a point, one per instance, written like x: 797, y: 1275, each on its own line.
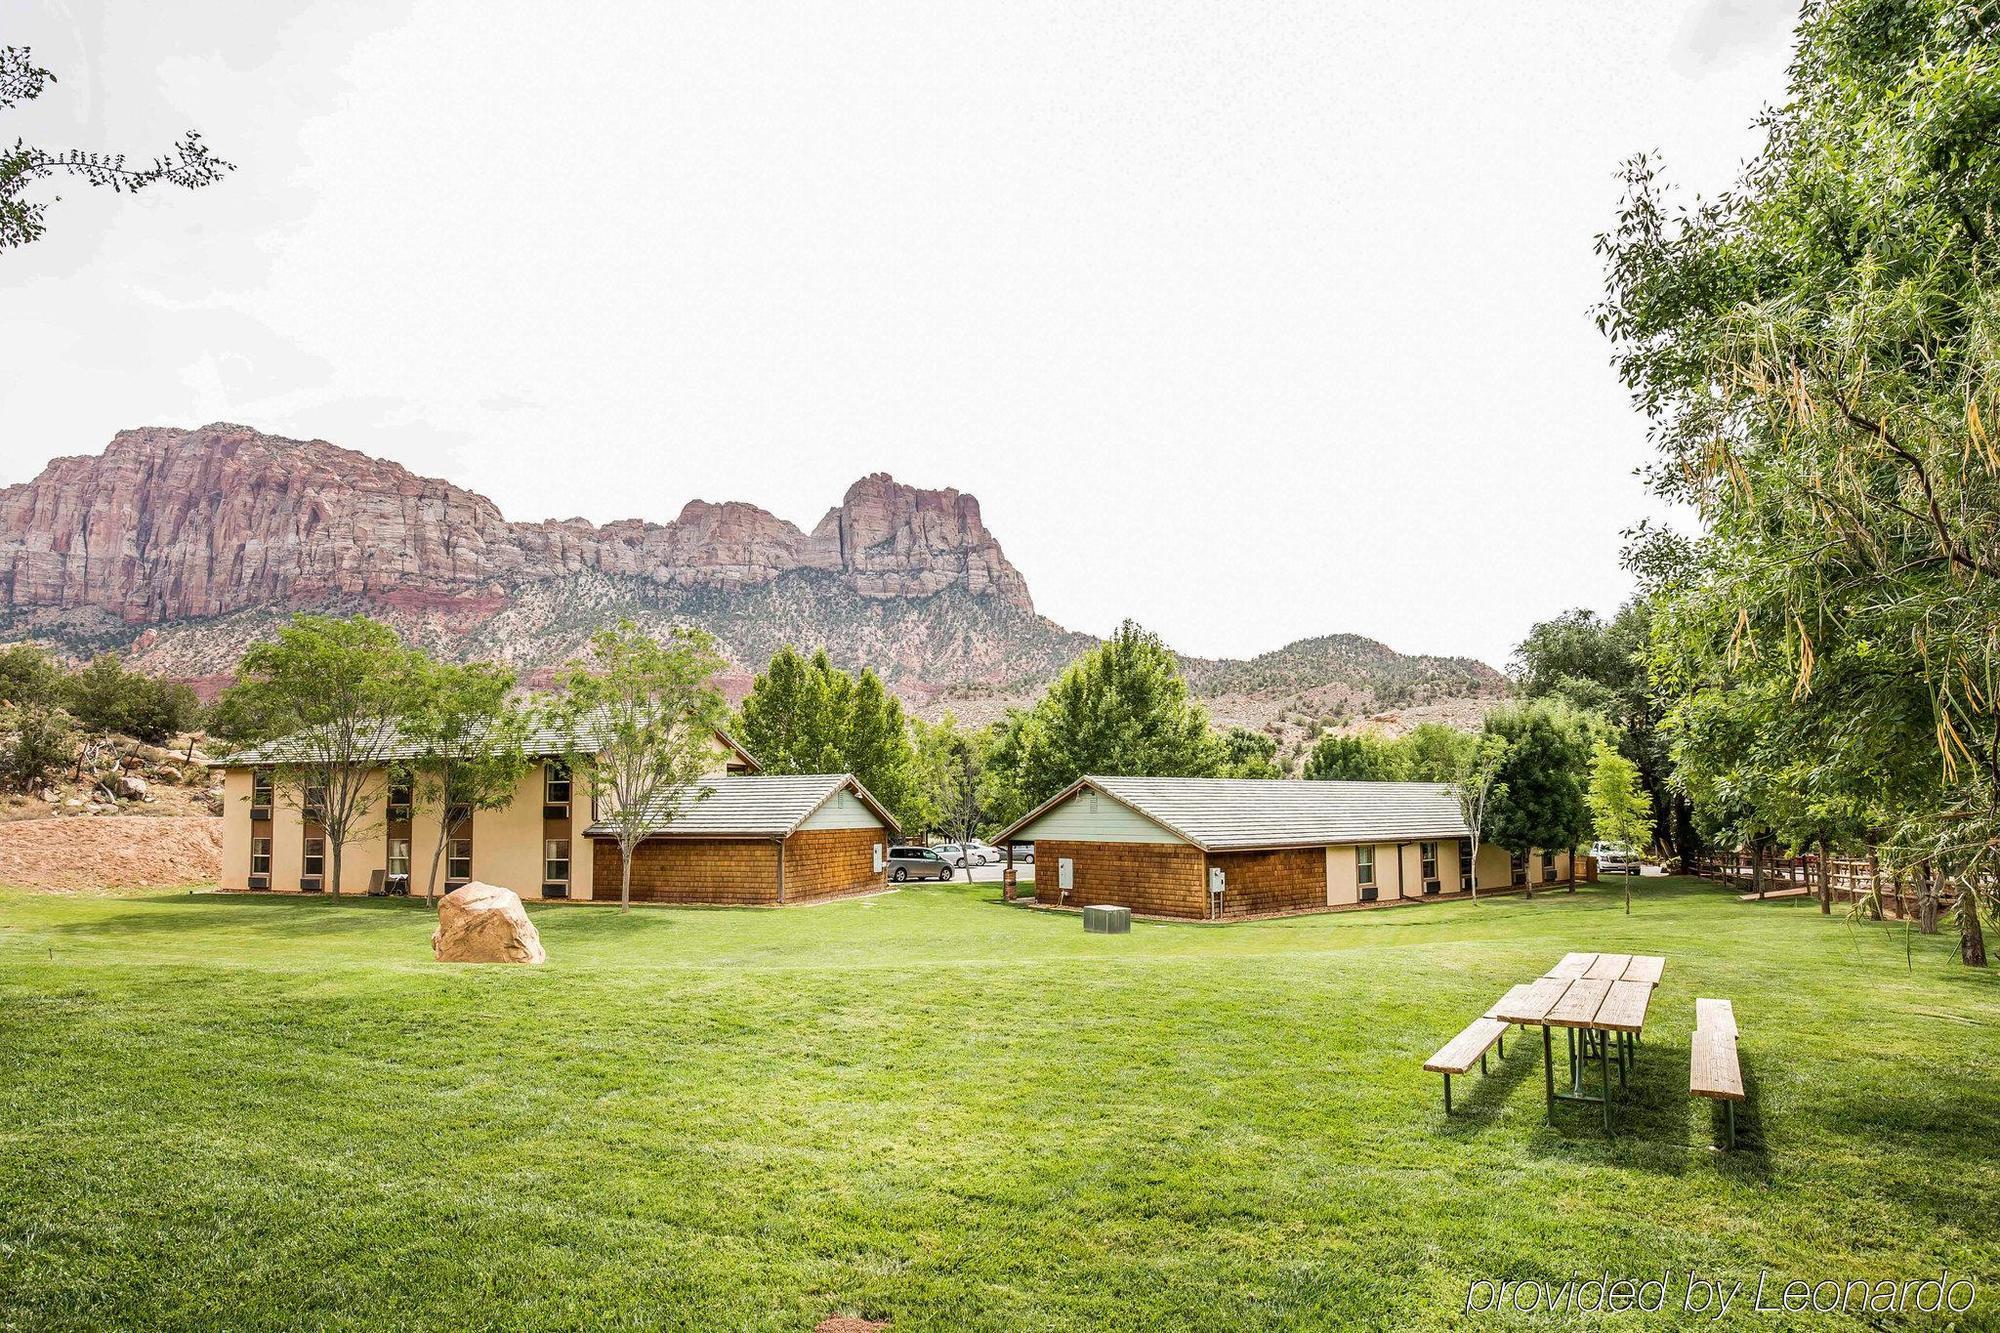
x: 1464, y: 1051
x: 1601, y: 1001
x: 1714, y: 1069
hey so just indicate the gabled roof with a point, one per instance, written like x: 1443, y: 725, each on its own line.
x: 542, y: 741
x: 1225, y: 814
x: 747, y: 806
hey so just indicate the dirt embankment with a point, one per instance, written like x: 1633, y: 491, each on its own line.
x: 71, y: 855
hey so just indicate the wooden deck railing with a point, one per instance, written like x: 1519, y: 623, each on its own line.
x: 1852, y: 879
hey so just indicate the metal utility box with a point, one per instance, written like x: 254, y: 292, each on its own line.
x: 1107, y: 921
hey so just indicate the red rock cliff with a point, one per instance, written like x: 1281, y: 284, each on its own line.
x: 171, y: 524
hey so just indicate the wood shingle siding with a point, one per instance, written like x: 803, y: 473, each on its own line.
x: 1154, y: 879
x: 1256, y: 883
x: 824, y: 863
x: 724, y: 873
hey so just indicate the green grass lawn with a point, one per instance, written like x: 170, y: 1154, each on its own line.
x: 221, y: 1111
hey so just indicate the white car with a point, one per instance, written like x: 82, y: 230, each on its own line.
x: 988, y: 854
x: 954, y: 854
x: 1614, y: 859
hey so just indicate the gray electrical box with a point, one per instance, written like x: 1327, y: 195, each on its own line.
x: 1107, y: 920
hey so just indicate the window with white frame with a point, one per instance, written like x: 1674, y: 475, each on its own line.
x: 555, y: 860
x: 458, y: 860
x: 260, y: 856
x: 399, y: 856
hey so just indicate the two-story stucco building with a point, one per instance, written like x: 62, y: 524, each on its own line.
x: 752, y: 840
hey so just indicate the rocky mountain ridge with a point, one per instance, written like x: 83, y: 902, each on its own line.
x: 180, y: 547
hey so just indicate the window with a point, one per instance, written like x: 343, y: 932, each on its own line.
x: 555, y: 785
x: 315, y: 804
x: 260, y: 794
x: 399, y: 856
x: 1548, y: 867
x: 1364, y: 873
x: 260, y: 856
x: 1517, y: 863
x: 1429, y: 852
x: 555, y: 860
x: 458, y: 860
x: 314, y: 864
x: 401, y: 798
x: 1465, y: 865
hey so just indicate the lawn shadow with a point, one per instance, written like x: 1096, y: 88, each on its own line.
x: 1652, y: 1121
x: 276, y: 914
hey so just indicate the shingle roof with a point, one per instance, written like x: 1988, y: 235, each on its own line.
x: 756, y: 806
x: 1218, y: 814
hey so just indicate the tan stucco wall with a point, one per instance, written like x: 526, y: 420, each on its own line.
x: 1341, y: 885
x: 507, y: 843
x: 236, y: 829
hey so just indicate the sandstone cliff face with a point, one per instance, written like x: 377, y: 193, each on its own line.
x: 171, y: 525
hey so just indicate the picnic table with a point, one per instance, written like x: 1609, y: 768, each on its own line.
x: 1601, y: 1000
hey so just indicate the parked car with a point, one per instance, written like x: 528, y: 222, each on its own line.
x: 988, y: 854
x: 907, y: 863
x: 1024, y: 853
x: 1614, y: 859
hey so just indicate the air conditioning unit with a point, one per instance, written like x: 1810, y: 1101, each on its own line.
x: 260, y: 881
x: 1433, y: 886
x: 310, y: 886
x: 1368, y: 892
x: 555, y: 890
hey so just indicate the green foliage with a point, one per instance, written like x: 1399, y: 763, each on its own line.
x: 952, y: 789
x: 808, y: 716
x: 38, y: 741
x: 1819, y: 351
x: 470, y: 738
x: 1365, y: 757
x: 1249, y: 754
x: 1619, y: 806
x: 1538, y: 798
x: 1436, y: 752
x: 104, y: 696
x: 1602, y: 668
x: 190, y: 164
x: 28, y: 675
x: 1121, y: 709
x: 639, y: 718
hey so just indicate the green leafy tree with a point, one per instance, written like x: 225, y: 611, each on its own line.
x: 1543, y: 771
x: 469, y: 739
x: 805, y: 715
x: 951, y: 780
x: 1435, y: 752
x: 1601, y: 667
x: 1122, y: 708
x: 39, y: 740
x: 1476, y: 787
x: 639, y: 719
x: 1819, y: 353
x: 189, y: 164
x: 1619, y: 806
x: 1359, y: 758
x: 105, y: 697
x: 330, y: 694
x: 1249, y: 754
x: 28, y: 675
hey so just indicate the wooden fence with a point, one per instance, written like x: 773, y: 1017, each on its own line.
x: 1852, y: 879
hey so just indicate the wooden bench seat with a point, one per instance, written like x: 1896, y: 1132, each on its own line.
x: 1714, y: 1069
x: 1715, y: 1016
x: 1467, y: 1049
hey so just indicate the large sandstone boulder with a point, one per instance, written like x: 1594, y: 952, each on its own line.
x: 483, y: 923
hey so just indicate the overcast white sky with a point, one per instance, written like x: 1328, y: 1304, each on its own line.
x: 1248, y: 321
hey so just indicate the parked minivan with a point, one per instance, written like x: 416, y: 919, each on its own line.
x: 906, y: 863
